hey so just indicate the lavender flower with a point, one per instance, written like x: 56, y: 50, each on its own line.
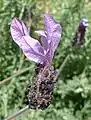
x: 40, y: 92
x: 80, y: 34
x: 31, y: 47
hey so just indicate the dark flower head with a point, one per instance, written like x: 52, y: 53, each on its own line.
x: 80, y: 33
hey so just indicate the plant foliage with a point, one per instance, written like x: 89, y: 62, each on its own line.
x: 72, y: 94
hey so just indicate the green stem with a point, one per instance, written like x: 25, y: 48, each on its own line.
x: 18, y: 113
x: 61, y: 67
x: 14, y: 75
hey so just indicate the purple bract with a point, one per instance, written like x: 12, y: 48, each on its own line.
x: 31, y: 47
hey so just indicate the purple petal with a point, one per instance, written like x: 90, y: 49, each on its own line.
x: 34, y: 45
x: 35, y: 51
x: 31, y: 47
x: 44, y: 40
x: 53, y: 30
x: 84, y: 22
x: 18, y: 29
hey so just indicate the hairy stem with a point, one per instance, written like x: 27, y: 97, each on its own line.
x: 18, y: 113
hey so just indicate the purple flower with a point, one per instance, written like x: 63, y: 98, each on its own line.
x: 31, y: 47
x: 80, y: 33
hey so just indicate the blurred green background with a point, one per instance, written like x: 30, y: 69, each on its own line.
x: 72, y: 93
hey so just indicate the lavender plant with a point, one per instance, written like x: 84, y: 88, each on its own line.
x: 80, y: 33
x: 40, y: 93
x: 72, y: 94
